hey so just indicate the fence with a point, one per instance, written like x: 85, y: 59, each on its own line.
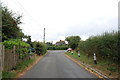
x: 1, y: 61
x: 11, y: 58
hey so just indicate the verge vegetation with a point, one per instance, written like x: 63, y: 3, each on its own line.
x: 105, y: 67
x: 63, y: 47
x: 106, y: 48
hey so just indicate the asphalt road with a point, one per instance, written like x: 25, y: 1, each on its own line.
x: 56, y: 65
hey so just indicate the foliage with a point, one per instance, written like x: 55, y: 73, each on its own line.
x: 105, y: 46
x: 49, y: 43
x: 10, y: 22
x: 24, y: 64
x: 73, y: 41
x: 21, y: 47
x: 65, y: 47
x: 28, y: 39
x: 112, y: 69
x: 14, y: 42
x: 40, y: 47
x: 8, y: 75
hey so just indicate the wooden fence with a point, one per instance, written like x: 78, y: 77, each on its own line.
x: 10, y: 58
x: 1, y: 61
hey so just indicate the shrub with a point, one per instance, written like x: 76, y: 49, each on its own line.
x: 65, y: 47
x: 105, y: 46
x: 40, y: 47
x: 21, y: 47
x: 14, y: 42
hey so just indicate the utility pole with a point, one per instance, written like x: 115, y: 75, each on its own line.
x: 44, y: 36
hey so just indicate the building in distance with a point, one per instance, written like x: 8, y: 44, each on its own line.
x: 60, y: 43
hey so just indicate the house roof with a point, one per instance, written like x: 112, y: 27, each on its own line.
x: 60, y: 42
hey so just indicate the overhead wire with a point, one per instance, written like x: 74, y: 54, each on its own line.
x: 28, y: 14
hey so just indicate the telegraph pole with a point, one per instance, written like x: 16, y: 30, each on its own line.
x: 44, y: 36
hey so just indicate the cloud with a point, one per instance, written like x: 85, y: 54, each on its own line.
x: 63, y: 18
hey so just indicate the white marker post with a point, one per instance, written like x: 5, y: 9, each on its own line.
x: 95, y: 59
x: 78, y: 53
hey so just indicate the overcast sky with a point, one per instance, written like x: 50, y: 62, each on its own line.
x: 63, y: 18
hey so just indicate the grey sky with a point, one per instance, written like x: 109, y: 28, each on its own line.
x: 63, y: 18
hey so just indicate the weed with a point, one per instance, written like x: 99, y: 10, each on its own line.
x: 112, y: 69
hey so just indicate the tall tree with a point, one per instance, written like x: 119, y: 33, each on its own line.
x: 29, y: 39
x: 10, y: 22
x: 73, y: 41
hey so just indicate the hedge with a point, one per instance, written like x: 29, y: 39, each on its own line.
x: 14, y: 42
x: 40, y: 48
x: 105, y: 46
x: 57, y: 47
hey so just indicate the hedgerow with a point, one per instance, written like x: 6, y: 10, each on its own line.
x: 105, y: 46
x: 14, y: 42
x: 40, y: 48
x: 64, y: 47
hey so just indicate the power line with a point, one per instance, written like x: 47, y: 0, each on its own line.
x: 28, y: 14
x: 31, y: 18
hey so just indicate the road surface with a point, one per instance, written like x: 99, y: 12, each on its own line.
x: 56, y: 65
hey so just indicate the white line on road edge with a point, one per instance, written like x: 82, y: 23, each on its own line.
x: 94, y: 70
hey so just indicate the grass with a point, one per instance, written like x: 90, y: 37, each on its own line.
x: 83, y: 58
x: 18, y: 68
x: 7, y: 75
x: 107, y: 67
x: 21, y: 66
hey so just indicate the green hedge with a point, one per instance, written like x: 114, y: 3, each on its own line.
x: 57, y: 47
x: 105, y: 46
x: 40, y: 48
x: 14, y: 42
x: 22, y: 48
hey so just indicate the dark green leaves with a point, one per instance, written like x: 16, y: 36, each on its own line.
x: 73, y: 41
x: 10, y: 29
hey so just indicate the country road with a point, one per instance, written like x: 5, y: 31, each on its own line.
x: 56, y: 65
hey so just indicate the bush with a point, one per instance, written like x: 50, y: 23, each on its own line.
x: 65, y: 47
x: 105, y: 46
x: 112, y: 69
x: 40, y: 48
x: 21, y: 47
x: 73, y: 41
x: 14, y: 42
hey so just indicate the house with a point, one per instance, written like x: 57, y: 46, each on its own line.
x: 59, y: 43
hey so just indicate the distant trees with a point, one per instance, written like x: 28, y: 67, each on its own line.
x: 73, y: 41
x: 49, y: 43
x: 53, y: 47
x: 59, y: 46
x: 10, y: 22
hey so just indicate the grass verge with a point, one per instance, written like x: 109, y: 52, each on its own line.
x: 105, y: 67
